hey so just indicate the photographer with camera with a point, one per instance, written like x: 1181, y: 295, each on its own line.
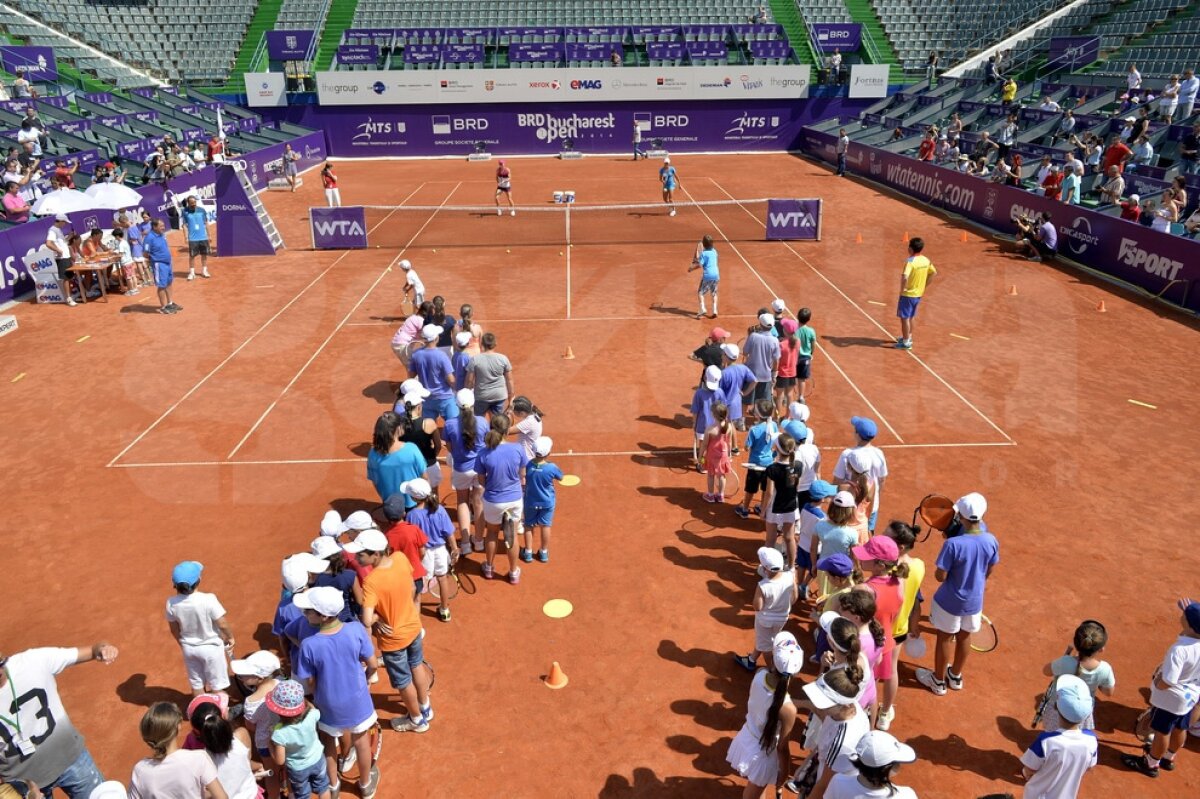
x: 1038, y: 238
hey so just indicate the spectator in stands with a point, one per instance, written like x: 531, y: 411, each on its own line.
x: 1066, y: 127
x: 964, y: 163
x: 928, y: 145
x: 979, y: 168
x: 1143, y: 152
x: 759, y: 17
x: 4, y: 92
x: 1008, y: 94
x: 32, y: 115
x: 199, y: 153
x: 1115, y: 156
x: 843, y: 146
x: 1114, y: 187
x: 1166, y: 213
x: 64, y: 173
x: 216, y: 149
x: 1002, y: 173
x: 24, y: 177
x: 1192, y: 226
x: 1133, y: 79
x: 27, y: 156
x: 1188, y: 88
x: 1141, y: 125
x: 931, y: 66
x: 1038, y: 237
x: 15, y: 207
x: 1048, y: 104
x: 955, y: 127
x: 28, y: 133
x: 1131, y: 209
x: 1008, y: 135
x: 1179, y: 185
x: 1073, y: 164
x: 1052, y: 183
x: 897, y: 134
x: 1018, y: 169
x: 1070, y: 184
x: 953, y: 153
x: 615, y: 59
x: 835, y: 67
x: 22, y: 90
x: 941, y: 149
x: 983, y: 148
x: 1043, y: 169
x: 1168, y: 101
x: 150, y: 170
x: 992, y: 70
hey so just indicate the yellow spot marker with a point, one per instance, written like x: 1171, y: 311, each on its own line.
x: 1143, y: 404
x: 558, y: 608
x: 82, y: 339
x: 570, y: 480
x: 875, y: 302
x: 964, y: 338
x: 18, y: 377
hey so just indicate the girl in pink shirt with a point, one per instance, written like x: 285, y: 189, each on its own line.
x: 402, y: 341
x: 880, y: 561
x: 789, y: 353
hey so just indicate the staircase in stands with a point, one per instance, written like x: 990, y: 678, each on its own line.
x: 263, y: 20
x: 787, y: 15
x: 862, y: 12
x: 341, y: 14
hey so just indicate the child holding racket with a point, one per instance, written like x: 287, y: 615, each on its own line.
x: 714, y: 452
x: 540, y: 499
x: 1089, y: 641
x: 440, y: 547
x: 758, y: 443
x: 412, y: 284
x: 704, y: 399
x: 705, y: 260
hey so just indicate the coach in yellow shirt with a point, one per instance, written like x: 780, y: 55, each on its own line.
x: 918, y: 271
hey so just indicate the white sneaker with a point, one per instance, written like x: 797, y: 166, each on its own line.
x: 465, y: 547
x: 672, y: 212
x: 499, y: 212
x: 513, y: 212
x: 885, y: 719
x: 347, y: 761
x: 191, y: 275
x: 205, y: 274
x: 71, y: 301
x: 927, y: 678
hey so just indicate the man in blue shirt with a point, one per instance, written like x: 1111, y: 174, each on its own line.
x: 736, y: 380
x: 433, y: 368
x: 159, y: 254
x: 762, y: 356
x: 705, y: 260
x: 963, y: 568
x: 195, y: 220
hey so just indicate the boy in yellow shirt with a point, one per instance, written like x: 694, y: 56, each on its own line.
x: 918, y: 271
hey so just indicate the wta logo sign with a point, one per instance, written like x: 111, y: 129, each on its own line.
x: 794, y: 219
x: 338, y: 228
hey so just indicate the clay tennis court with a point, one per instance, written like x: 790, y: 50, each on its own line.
x: 135, y: 440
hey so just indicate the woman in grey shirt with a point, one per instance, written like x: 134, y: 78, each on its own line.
x: 491, y: 378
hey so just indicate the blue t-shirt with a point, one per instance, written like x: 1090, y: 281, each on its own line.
x: 285, y: 613
x: 344, y: 582
x: 539, y: 484
x: 463, y: 458
x: 460, y: 362
x: 158, y: 249
x: 965, y: 559
x: 702, y: 403
x: 667, y: 174
x: 708, y: 265
x: 758, y: 442
x: 762, y: 350
x: 500, y: 470
x: 834, y: 540
x: 299, y: 629
x: 196, y: 223
x: 335, y: 664
x: 432, y: 367
x: 134, y: 235
x: 302, y: 748
x: 387, y: 472
x: 436, y: 526
x: 735, y: 379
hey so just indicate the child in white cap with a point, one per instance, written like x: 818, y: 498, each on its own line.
x: 835, y: 534
x: 440, y: 547
x: 868, y: 772
x: 1057, y: 761
x: 460, y: 360
x: 412, y: 284
x: 198, y: 624
x: 761, y: 744
x: 258, y: 673
x: 838, y: 723
x: 774, y: 596
x: 540, y: 499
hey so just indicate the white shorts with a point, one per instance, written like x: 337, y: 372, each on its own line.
x: 401, y: 351
x: 436, y: 560
x: 358, y: 729
x: 206, y: 667
x: 493, y: 512
x: 780, y: 519
x: 434, y: 475
x: 765, y: 632
x: 464, y: 481
x: 949, y: 624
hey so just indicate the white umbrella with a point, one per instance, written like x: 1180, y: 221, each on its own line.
x: 62, y: 201
x: 113, y: 196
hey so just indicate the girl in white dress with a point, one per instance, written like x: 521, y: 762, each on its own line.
x: 760, y: 748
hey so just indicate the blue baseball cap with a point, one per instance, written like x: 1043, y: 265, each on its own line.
x: 186, y: 573
x: 838, y: 565
x: 821, y: 489
x: 865, y: 427
x: 1073, y: 698
x: 1192, y: 614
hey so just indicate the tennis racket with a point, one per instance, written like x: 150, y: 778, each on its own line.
x: 733, y: 484
x: 509, y: 525
x: 458, y: 582
x: 987, y: 639
x: 376, y: 742
x: 1048, y: 696
x: 937, y: 512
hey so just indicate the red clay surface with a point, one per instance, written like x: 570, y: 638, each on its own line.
x: 281, y: 365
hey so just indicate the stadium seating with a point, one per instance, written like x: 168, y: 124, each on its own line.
x: 301, y: 14
x: 490, y: 13
x: 196, y: 41
x: 1162, y: 53
x: 69, y: 50
x: 824, y: 11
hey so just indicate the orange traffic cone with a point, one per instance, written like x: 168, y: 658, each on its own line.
x: 1101, y: 307
x: 556, y: 678
x: 963, y: 236
x: 569, y: 355
x: 1012, y: 291
x: 858, y: 239
x: 906, y: 237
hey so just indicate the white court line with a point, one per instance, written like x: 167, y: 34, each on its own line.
x: 253, y: 335
x: 567, y: 251
x: 338, y: 327
x: 657, y: 317
x: 874, y: 321
x: 823, y: 351
x: 604, y: 454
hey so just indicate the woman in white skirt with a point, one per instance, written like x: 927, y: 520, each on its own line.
x: 759, y: 752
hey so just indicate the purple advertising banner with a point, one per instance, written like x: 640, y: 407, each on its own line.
x: 289, y: 45
x: 1161, y: 263
x: 358, y: 54
x: 837, y: 36
x: 1072, y: 52
x: 104, y: 98
x: 239, y: 230
x: 37, y: 63
x: 788, y: 220
x: 338, y: 228
x: 264, y: 164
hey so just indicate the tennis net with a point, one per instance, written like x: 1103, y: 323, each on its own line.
x: 561, y: 224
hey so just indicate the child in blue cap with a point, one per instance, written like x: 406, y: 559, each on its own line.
x: 198, y: 623
x: 815, y: 498
x: 872, y: 457
x: 1057, y: 761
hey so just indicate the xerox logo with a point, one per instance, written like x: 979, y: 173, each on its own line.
x: 748, y: 84
x: 577, y: 85
x: 1079, y: 235
x: 1160, y: 265
x: 545, y: 84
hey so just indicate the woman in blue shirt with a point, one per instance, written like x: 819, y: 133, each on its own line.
x: 392, y: 461
x: 464, y: 438
x: 501, y: 467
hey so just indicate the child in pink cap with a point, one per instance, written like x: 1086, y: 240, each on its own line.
x: 880, y: 561
x: 789, y: 355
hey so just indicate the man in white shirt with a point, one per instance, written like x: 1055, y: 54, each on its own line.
x: 843, y: 146
x: 1066, y: 126
x: 1188, y: 89
x: 28, y: 133
x: 1044, y: 169
x: 1143, y: 152
x: 1008, y: 135
x: 59, y: 758
x: 23, y: 177
x: 835, y: 66
x: 1049, y: 105
x: 866, y: 430
x: 56, y: 240
x: 1133, y: 79
x: 1057, y: 761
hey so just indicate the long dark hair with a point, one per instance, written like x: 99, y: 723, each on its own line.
x: 468, y: 429
x: 215, y: 731
x: 862, y: 605
x: 877, y: 776
x: 843, y: 635
x: 523, y: 405
x: 495, y: 436
x: 438, y: 317
x: 770, y: 733
x: 385, y: 432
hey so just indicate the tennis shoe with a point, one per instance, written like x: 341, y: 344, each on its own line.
x: 741, y: 512
x: 205, y: 274
x: 672, y: 212
x: 926, y: 678
x: 444, y: 614
x: 499, y: 212
x: 901, y: 344
x: 347, y: 761
x: 746, y: 662
x: 465, y: 547
x: 526, y: 555
x: 406, y: 724
x: 1138, y: 763
x: 514, y: 576
x: 191, y: 275
x: 543, y: 556
x: 489, y: 572
x: 885, y: 719
x: 368, y: 790
x: 955, y: 683
x: 513, y: 212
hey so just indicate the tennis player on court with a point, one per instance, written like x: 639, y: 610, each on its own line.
x: 705, y: 259
x: 670, y: 181
x: 504, y: 186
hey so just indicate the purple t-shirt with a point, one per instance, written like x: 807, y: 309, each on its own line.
x: 299, y: 629
x: 335, y: 664
x: 702, y: 402
x: 432, y: 367
x: 463, y: 458
x: 735, y: 379
x: 460, y: 362
x: 500, y: 469
x: 436, y: 526
x: 965, y: 559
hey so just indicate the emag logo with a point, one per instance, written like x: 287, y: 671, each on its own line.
x: 1159, y: 265
x: 578, y: 85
